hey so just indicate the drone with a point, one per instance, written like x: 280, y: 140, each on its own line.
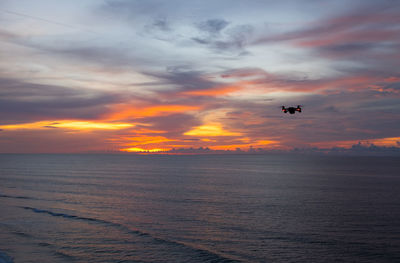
x: 291, y: 110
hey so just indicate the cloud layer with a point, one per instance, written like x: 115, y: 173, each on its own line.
x: 134, y: 76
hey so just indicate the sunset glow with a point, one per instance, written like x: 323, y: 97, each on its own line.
x: 80, y: 77
x: 75, y: 125
x: 210, y: 130
x: 125, y: 112
x: 140, y: 150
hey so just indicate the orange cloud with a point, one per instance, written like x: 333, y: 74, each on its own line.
x: 392, y: 79
x: 144, y: 139
x: 121, y: 112
x: 68, y: 124
x: 211, y: 130
x: 391, y: 141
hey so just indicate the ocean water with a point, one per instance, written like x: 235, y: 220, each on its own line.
x: 223, y: 208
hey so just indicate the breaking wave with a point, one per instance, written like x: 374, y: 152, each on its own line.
x: 203, y: 254
x: 18, y: 197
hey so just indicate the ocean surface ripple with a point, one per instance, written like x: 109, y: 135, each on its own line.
x: 228, y: 208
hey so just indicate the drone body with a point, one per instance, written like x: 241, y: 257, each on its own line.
x: 291, y: 110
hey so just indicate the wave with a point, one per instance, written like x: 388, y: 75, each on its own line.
x: 4, y: 258
x: 18, y: 197
x: 35, y: 198
x: 22, y: 234
x: 205, y: 255
x: 64, y: 256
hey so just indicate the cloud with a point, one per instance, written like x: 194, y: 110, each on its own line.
x: 219, y: 37
x: 364, y: 149
x: 194, y: 67
x: 6, y: 35
x: 355, y: 150
x: 54, y: 141
x: 368, y: 36
x: 357, y: 20
x: 133, y: 9
x: 345, y: 107
x: 127, y: 111
x: 212, y: 26
x: 161, y: 24
x: 111, y: 58
x: 173, y: 125
x: 184, y: 79
x: 21, y: 101
x: 172, y: 25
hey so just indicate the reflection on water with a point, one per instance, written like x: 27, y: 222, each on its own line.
x: 119, y: 208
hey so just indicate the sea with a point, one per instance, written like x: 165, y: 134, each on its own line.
x: 199, y: 208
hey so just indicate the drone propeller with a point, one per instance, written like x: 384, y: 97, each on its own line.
x: 299, y: 108
x: 284, y: 109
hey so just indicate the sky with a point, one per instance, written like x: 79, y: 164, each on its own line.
x: 133, y: 76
